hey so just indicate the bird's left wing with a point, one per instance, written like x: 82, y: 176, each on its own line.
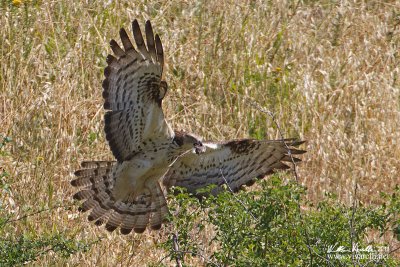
x: 235, y: 163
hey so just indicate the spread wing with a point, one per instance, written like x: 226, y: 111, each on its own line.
x: 133, y: 92
x: 237, y: 163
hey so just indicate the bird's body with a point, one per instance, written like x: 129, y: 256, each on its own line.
x: 129, y: 193
x: 145, y: 167
x: 134, y: 175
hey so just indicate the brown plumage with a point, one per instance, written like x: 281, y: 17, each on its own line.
x: 129, y: 193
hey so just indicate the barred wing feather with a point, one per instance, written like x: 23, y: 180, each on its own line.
x: 237, y: 163
x: 133, y: 93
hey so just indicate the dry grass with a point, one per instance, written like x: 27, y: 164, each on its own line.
x: 329, y: 70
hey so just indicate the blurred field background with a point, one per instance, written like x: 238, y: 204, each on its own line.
x: 329, y: 70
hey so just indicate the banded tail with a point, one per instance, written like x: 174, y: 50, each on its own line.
x: 96, y: 182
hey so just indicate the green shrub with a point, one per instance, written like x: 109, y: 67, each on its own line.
x: 273, y: 227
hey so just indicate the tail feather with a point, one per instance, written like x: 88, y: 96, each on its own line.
x: 97, y: 164
x: 141, y: 223
x: 97, y: 212
x: 128, y: 224
x: 93, y: 173
x: 101, y: 220
x: 96, y: 182
x: 88, y: 205
x: 114, y: 220
x: 159, y: 205
x: 84, y: 194
x: 142, y: 208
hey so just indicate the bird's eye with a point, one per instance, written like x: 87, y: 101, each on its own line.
x: 199, y: 148
x: 198, y: 144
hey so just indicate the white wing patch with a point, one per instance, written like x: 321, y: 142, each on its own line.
x: 211, y: 145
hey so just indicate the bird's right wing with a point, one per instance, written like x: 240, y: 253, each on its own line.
x: 235, y: 163
x: 133, y: 92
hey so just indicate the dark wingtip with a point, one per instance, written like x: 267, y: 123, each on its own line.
x: 105, y: 94
x: 110, y: 59
x: 157, y: 37
x: 107, y: 71
x: 251, y: 182
x: 297, y: 151
x: 135, y: 25
x: 289, y: 158
x: 113, y: 43
x: 107, y: 118
x: 107, y: 105
x: 126, y: 42
x: 148, y: 24
x: 122, y: 31
x: 297, y: 142
x: 261, y: 176
x: 283, y: 167
x: 105, y: 84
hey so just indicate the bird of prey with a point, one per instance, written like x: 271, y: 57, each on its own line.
x: 151, y: 157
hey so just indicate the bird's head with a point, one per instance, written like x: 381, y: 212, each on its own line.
x: 187, y: 141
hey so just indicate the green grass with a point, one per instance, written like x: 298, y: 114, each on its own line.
x: 328, y: 70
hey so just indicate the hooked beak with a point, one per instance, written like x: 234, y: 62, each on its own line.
x: 199, y: 148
